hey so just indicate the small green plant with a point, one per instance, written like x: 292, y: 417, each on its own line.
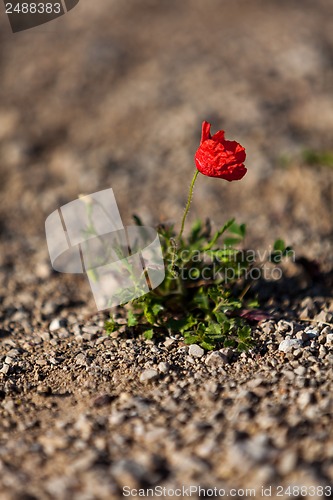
x: 312, y: 157
x: 207, y: 274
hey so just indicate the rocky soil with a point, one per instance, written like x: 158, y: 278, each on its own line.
x: 113, y: 95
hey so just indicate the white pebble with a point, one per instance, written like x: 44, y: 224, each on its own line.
x: 289, y: 344
x: 196, y: 351
x: 54, y: 325
x: 148, y: 375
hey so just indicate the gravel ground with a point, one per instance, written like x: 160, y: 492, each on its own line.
x: 114, y: 97
x: 85, y: 415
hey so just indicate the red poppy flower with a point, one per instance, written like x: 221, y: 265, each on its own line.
x: 217, y: 157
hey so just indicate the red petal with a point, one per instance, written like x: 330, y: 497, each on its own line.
x: 205, y: 131
x: 219, y: 136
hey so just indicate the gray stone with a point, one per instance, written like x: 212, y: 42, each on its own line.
x: 41, y: 362
x: 148, y: 375
x: 191, y: 360
x: 13, y: 353
x: 196, y: 351
x: 163, y: 367
x: 303, y: 336
x: 5, y: 369
x: 81, y: 359
x: 44, y: 335
x: 169, y: 343
x: 312, y: 334
x: 93, y: 330
x: 226, y: 351
x: 216, y: 359
x: 304, y: 399
x: 300, y: 370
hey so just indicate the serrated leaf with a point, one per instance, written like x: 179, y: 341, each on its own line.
x: 221, y: 318
x: 207, y: 346
x: 229, y: 343
x: 131, y: 319
x: 202, y: 300
x: 190, y: 338
x: 213, y: 330
x: 242, y: 347
x: 148, y: 314
x: 244, y: 333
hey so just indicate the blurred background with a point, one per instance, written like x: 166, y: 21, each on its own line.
x: 113, y: 95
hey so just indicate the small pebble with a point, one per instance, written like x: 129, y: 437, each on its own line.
x: 163, y: 367
x: 216, y: 359
x: 289, y: 344
x: 196, y: 351
x: 148, y: 375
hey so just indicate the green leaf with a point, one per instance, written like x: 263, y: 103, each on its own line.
x: 111, y: 325
x: 207, y: 346
x: 181, y: 325
x: 221, y: 318
x: 148, y: 334
x: 280, y: 250
x: 213, y: 330
x: 201, y: 300
x: 279, y: 246
x: 244, y: 333
x: 239, y: 229
x: 229, y: 343
x: 191, y: 338
x: 252, y: 304
x: 131, y: 319
x: 156, y: 308
x: 242, y: 347
x: 230, y: 242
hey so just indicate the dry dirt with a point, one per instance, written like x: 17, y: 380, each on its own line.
x: 113, y: 95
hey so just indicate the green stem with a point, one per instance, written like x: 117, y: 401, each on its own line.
x: 187, y: 208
